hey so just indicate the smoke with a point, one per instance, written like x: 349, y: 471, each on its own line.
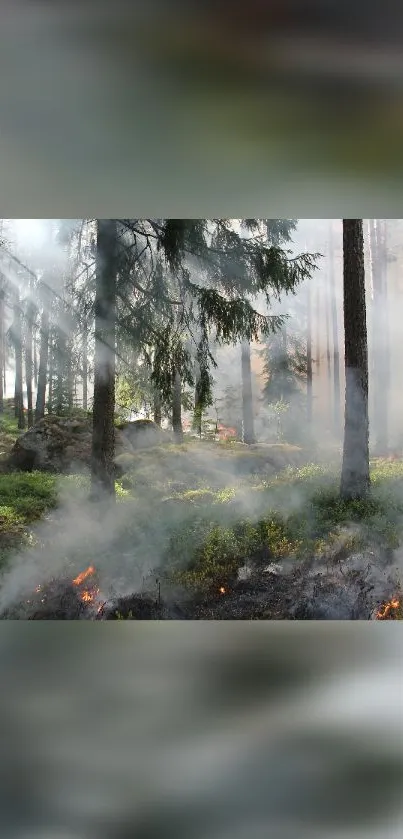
x: 128, y: 543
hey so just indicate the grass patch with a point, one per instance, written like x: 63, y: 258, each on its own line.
x: 208, y: 550
x: 204, y: 509
x: 24, y: 498
x: 9, y: 430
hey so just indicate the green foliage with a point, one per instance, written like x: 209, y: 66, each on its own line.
x: 24, y: 498
x: 28, y: 494
x: 203, y: 290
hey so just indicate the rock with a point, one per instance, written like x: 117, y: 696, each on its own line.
x: 143, y: 433
x: 56, y: 444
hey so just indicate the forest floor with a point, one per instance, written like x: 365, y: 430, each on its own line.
x: 204, y: 524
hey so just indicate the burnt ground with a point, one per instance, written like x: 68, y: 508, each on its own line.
x: 307, y: 591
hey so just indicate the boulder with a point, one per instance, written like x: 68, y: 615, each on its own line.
x: 56, y: 444
x: 143, y: 433
x: 52, y: 444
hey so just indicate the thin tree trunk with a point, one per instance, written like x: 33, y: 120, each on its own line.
x: 2, y: 347
x: 85, y: 365
x: 4, y: 371
x: 248, y: 430
x: 70, y: 376
x: 380, y: 335
x: 35, y: 359
x: 51, y: 370
x: 335, y: 331
x: 328, y: 356
x: 103, y: 434
x: 198, y: 408
x: 43, y: 366
x: 318, y: 348
x: 177, y: 408
x: 355, y: 480
x: 60, y: 368
x: 309, y: 399
x: 18, y: 391
x: 157, y: 412
x: 29, y: 363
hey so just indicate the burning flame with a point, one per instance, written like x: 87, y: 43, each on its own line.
x: 385, y: 610
x: 88, y: 595
x: 83, y: 576
x: 222, y: 590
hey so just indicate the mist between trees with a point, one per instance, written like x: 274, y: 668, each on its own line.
x: 231, y: 336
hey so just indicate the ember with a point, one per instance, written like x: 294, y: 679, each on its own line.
x: 386, y: 611
x: 222, y: 590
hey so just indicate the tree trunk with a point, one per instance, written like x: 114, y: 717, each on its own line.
x: 177, y: 408
x: 51, y: 370
x: 335, y: 331
x: 309, y: 356
x: 60, y: 370
x: 2, y: 346
x: 43, y: 366
x: 380, y: 335
x: 248, y: 430
x: 85, y: 365
x: 317, y: 353
x: 103, y: 434
x: 198, y: 409
x: 29, y: 363
x: 157, y: 413
x: 69, y: 377
x: 328, y: 356
x: 18, y: 391
x: 35, y: 360
x: 355, y: 481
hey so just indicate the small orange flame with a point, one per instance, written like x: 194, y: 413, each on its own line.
x: 385, y: 610
x: 83, y: 576
x: 222, y: 590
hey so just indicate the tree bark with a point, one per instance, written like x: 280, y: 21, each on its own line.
x: 248, y: 430
x: 103, y: 434
x: 177, y: 408
x: 335, y: 331
x: 43, y: 366
x: 355, y: 480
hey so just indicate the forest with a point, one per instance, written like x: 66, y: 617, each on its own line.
x: 201, y: 419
